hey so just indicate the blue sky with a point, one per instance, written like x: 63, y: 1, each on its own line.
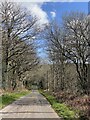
x: 47, y: 11
x: 60, y: 9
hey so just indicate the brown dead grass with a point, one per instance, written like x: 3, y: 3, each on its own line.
x: 80, y: 103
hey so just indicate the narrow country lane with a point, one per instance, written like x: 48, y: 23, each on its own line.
x: 33, y: 105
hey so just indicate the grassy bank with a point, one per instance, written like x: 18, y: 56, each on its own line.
x: 8, y: 98
x: 62, y: 110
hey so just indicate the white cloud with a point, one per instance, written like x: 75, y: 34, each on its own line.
x: 36, y: 10
x: 53, y: 14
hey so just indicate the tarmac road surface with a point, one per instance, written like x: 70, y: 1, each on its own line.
x: 33, y: 105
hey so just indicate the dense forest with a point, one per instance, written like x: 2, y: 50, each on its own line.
x: 66, y: 74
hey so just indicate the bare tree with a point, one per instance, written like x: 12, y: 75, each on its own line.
x: 18, y: 28
x: 55, y: 42
x: 70, y: 43
x: 76, y: 48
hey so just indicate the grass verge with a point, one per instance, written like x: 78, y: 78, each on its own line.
x: 8, y: 98
x: 62, y: 110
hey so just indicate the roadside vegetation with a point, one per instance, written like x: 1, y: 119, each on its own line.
x: 62, y: 109
x: 8, y: 98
